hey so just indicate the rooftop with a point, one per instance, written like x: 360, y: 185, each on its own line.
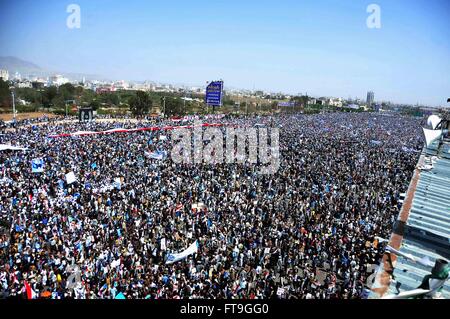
x: 422, y: 230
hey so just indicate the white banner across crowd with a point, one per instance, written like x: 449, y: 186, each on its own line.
x: 192, y: 249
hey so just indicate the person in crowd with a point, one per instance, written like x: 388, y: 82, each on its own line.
x: 310, y: 228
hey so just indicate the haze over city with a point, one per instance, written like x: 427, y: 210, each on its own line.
x: 319, y: 47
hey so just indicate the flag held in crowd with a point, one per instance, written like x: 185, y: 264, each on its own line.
x: 192, y: 249
x: 159, y: 155
x: 70, y: 178
x: 4, y: 147
x: 37, y: 165
x: 117, y: 182
x: 31, y: 294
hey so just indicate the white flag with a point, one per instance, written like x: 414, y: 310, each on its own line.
x: 192, y: 249
x: 117, y: 183
x: 12, y: 148
x: 70, y: 178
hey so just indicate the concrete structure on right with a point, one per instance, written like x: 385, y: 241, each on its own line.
x: 415, y: 262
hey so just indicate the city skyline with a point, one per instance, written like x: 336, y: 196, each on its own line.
x: 323, y: 49
x: 153, y: 85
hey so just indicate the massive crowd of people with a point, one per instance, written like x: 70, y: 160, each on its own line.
x: 307, y: 231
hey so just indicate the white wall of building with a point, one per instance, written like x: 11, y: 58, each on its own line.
x: 4, y: 75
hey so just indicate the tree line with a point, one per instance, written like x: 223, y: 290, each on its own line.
x: 65, y: 97
x: 57, y: 99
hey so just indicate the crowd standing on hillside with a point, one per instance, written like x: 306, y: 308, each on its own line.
x: 307, y: 231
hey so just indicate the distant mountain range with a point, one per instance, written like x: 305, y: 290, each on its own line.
x: 13, y: 65
x: 26, y: 68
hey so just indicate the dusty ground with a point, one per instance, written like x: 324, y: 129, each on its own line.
x: 23, y: 116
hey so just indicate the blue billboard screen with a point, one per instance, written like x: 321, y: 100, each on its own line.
x: 214, y: 93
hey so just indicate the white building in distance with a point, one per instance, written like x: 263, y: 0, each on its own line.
x: 58, y: 80
x: 4, y: 75
x: 335, y: 102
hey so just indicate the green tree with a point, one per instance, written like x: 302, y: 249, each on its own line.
x: 67, y: 91
x: 110, y: 98
x: 79, y: 90
x: 301, y: 100
x: 5, y: 94
x: 87, y: 96
x: 95, y: 105
x: 140, y: 103
x: 48, y: 95
x: 227, y: 100
x: 59, y: 102
x: 274, y: 105
x: 174, y: 106
x: 29, y: 95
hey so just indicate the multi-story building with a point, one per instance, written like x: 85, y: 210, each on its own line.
x: 17, y: 76
x: 23, y: 84
x: 58, y: 80
x: 4, y: 75
x: 370, y: 98
x: 121, y: 85
x: 105, y: 89
x: 311, y: 100
x: 38, y: 84
x: 335, y: 102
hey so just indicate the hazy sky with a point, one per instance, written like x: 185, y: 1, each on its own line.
x: 322, y: 47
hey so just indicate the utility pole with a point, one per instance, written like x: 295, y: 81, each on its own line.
x: 13, y: 104
x: 164, y: 107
